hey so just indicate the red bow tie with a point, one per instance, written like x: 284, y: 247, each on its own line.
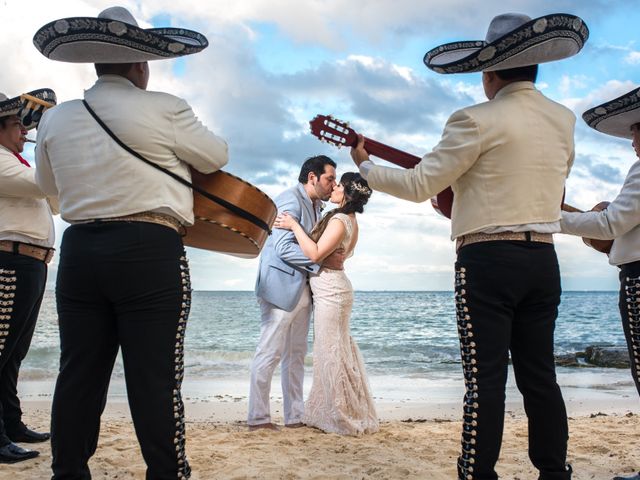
x: 22, y: 160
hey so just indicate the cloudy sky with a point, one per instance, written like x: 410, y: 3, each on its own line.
x: 274, y: 64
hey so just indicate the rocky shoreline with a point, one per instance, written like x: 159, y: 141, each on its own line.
x: 596, y: 356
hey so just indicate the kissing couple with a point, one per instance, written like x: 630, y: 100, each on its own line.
x: 300, y: 273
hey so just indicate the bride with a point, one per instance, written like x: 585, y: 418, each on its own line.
x: 340, y: 399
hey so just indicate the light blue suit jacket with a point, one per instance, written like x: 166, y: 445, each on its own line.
x: 283, y: 270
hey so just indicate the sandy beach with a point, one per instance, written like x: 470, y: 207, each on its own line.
x: 417, y: 440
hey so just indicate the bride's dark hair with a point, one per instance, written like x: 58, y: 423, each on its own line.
x: 356, y: 195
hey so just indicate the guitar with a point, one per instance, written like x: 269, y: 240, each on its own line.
x: 338, y: 133
x: 231, y: 215
x: 603, y: 246
x: 329, y: 129
x: 241, y: 227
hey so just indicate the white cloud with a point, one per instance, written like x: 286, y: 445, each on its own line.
x: 633, y: 58
x: 568, y: 83
x: 474, y: 90
x: 608, y: 91
x: 330, y: 22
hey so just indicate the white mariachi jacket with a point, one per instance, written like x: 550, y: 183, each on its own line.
x: 25, y: 214
x: 95, y: 178
x: 620, y: 221
x: 506, y: 161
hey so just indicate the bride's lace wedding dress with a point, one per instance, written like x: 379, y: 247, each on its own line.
x: 340, y: 399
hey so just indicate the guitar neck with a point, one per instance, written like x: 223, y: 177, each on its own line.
x: 568, y: 208
x: 390, y: 154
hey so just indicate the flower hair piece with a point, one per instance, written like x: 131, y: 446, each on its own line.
x: 361, y: 189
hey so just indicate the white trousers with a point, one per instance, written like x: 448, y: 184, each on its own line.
x: 283, y: 337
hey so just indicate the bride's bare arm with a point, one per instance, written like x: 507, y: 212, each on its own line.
x: 327, y: 243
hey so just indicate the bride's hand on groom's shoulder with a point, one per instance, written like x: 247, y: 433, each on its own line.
x: 285, y: 221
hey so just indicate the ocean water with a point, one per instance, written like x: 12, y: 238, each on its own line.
x: 402, y: 335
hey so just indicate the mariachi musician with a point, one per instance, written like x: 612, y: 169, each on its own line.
x: 506, y: 161
x: 620, y: 221
x: 26, y: 247
x: 123, y: 280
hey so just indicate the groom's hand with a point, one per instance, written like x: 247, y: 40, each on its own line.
x: 335, y: 261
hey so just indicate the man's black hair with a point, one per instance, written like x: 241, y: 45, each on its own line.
x: 316, y: 165
x: 112, y: 68
x: 528, y: 73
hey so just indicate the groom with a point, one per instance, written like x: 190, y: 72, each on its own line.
x: 283, y: 293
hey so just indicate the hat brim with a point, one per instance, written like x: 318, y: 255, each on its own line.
x: 102, y: 40
x: 29, y: 107
x: 545, y: 39
x: 617, y: 116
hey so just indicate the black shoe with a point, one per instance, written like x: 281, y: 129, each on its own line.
x: 632, y: 477
x: 28, y: 436
x: 12, y: 453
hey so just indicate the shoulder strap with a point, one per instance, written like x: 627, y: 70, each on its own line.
x: 229, y: 206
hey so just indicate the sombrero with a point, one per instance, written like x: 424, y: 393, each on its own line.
x: 616, y: 116
x: 29, y: 106
x: 513, y: 40
x: 114, y: 37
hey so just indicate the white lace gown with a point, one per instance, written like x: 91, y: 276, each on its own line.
x: 340, y: 399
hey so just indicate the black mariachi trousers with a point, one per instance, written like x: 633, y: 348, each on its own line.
x: 507, y: 295
x: 22, y: 282
x: 121, y: 284
x: 630, y: 313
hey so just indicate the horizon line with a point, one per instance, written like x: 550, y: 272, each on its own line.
x: 395, y: 291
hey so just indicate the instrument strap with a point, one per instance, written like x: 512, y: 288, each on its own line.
x: 220, y: 201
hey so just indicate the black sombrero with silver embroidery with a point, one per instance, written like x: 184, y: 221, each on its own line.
x: 114, y: 37
x: 29, y: 106
x: 617, y: 116
x: 513, y: 40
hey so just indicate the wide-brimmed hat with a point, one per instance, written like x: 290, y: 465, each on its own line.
x: 513, y: 40
x: 616, y: 116
x: 29, y: 106
x: 114, y: 37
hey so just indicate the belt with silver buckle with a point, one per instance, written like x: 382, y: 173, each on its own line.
x: 43, y: 254
x: 471, y: 238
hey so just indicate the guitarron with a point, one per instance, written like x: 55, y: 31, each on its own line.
x: 231, y: 215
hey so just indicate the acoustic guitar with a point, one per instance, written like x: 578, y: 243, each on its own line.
x: 331, y: 130
x: 603, y: 246
x: 338, y: 133
x: 231, y: 215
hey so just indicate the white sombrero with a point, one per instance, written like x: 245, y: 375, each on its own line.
x: 513, y: 40
x: 114, y: 37
x: 616, y: 116
x: 29, y: 106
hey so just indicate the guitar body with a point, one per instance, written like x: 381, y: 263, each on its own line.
x: 443, y: 202
x: 220, y: 230
x: 603, y: 246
